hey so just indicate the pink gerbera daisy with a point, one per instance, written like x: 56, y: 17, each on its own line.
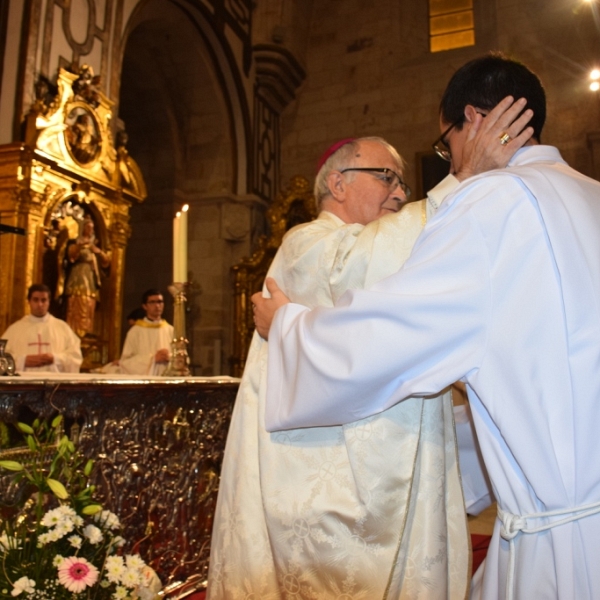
x: 77, y: 573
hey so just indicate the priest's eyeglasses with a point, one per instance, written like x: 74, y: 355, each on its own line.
x: 389, y: 177
x: 441, y: 146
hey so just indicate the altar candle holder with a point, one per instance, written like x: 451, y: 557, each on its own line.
x: 179, y: 361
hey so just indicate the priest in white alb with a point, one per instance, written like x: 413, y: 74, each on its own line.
x: 374, y: 507
x: 501, y: 291
x: 40, y: 342
x: 146, y: 350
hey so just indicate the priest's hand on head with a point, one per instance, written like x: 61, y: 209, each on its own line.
x: 264, y: 308
x: 483, y: 149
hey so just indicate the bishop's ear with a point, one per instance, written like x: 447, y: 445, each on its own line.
x: 336, y: 185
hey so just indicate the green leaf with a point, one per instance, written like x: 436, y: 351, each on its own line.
x: 11, y: 465
x: 89, y: 465
x: 36, y: 423
x: 91, y: 509
x: 58, y: 489
x: 25, y: 428
x: 57, y: 421
x: 31, y: 443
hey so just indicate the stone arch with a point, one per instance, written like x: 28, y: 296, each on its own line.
x: 184, y: 108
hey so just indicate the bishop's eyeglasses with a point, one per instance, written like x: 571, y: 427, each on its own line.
x: 389, y: 177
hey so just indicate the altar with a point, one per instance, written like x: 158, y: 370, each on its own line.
x: 158, y: 443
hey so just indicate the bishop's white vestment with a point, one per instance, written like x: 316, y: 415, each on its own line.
x: 142, y: 342
x: 43, y: 335
x: 372, y: 509
x: 502, y: 290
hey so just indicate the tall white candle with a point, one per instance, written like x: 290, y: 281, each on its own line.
x: 176, y: 243
x: 183, y: 232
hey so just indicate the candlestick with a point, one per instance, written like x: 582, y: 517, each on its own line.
x: 179, y: 362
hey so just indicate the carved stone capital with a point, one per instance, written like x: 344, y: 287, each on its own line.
x: 278, y: 75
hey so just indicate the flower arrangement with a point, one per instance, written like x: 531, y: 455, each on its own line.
x: 57, y: 542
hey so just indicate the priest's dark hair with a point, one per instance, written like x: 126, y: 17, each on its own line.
x: 485, y: 81
x: 148, y: 293
x: 37, y: 287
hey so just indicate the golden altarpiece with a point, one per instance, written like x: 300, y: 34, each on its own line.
x: 70, y: 188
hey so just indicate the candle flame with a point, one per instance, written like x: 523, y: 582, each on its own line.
x: 178, y: 214
x: 185, y: 207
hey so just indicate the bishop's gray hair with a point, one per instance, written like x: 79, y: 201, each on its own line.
x: 344, y: 158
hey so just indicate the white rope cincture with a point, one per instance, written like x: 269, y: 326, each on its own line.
x: 512, y: 525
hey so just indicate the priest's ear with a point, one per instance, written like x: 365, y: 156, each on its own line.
x: 336, y: 184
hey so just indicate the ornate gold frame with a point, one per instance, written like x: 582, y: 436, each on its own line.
x: 293, y: 206
x: 49, y: 168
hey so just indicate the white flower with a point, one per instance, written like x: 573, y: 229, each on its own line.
x: 8, y: 542
x: 93, y: 534
x: 43, y: 539
x: 57, y: 560
x: 63, y: 528
x: 52, y: 518
x: 114, y: 568
x: 24, y: 584
x: 75, y: 541
x: 107, y: 519
x: 131, y: 578
x: 67, y: 512
x: 120, y: 593
x: 134, y: 561
x: 117, y: 541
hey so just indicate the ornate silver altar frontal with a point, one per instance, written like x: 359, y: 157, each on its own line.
x: 159, y: 447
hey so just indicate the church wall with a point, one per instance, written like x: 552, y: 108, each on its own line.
x: 374, y: 75
x: 10, y: 67
x: 284, y: 22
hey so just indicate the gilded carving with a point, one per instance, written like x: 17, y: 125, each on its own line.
x: 69, y: 176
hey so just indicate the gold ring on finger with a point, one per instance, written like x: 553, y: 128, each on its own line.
x: 504, y: 138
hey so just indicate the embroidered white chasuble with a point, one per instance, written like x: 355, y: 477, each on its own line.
x: 43, y: 335
x: 369, y: 510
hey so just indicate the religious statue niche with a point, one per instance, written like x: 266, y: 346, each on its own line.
x: 75, y: 265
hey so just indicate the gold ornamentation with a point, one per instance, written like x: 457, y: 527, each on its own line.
x: 68, y: 161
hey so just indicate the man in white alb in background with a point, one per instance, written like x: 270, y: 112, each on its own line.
x: 356, y: 509
x: 41, y: 342
x: 146, y: 350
